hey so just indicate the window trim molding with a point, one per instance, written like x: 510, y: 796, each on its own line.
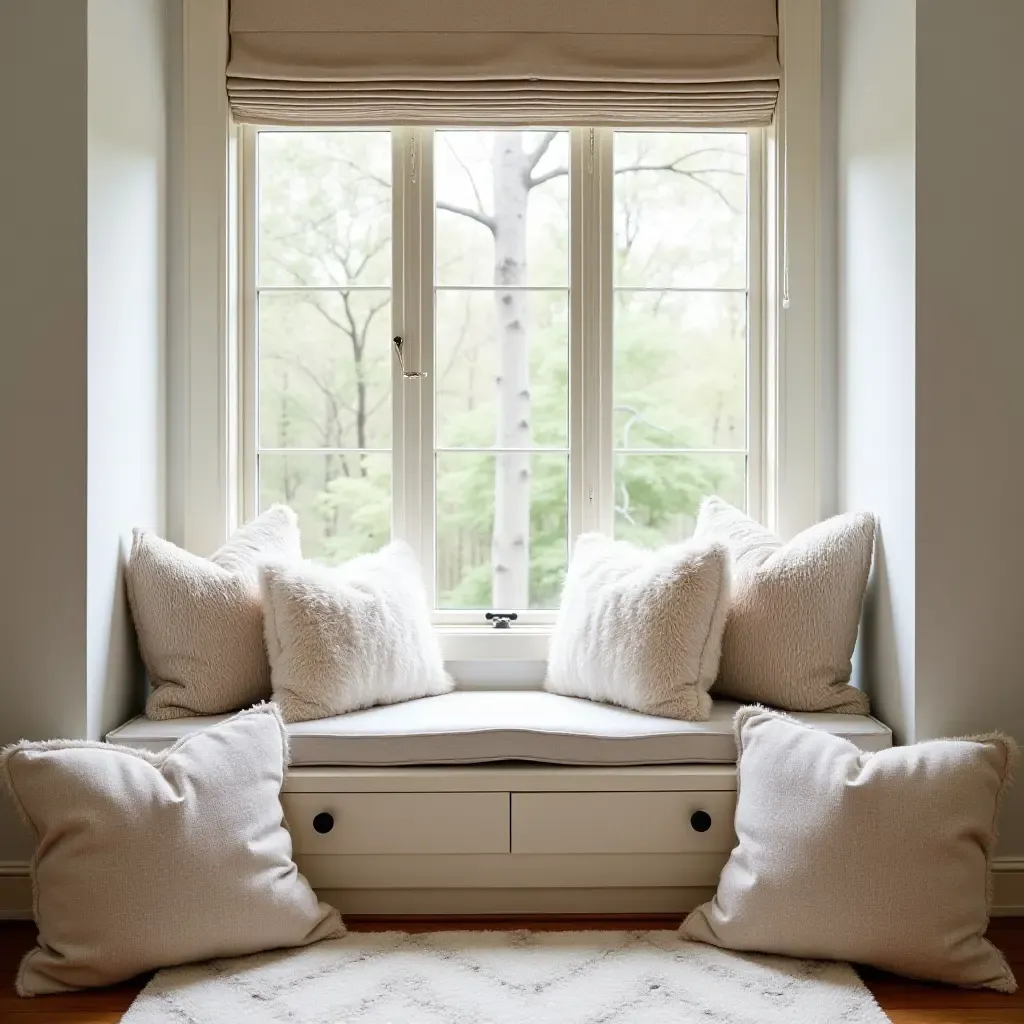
x: 206, y: 413
x: 203, y: 405
x: 797, y: 444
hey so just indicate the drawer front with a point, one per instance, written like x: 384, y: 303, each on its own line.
x: 368, y: 823
x: 690, y: 822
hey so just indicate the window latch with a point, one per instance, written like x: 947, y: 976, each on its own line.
x: 399, y: 342
x: 501, y: 620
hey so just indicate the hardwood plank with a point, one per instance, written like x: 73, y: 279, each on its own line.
x: 104, y: 1000
x: 955, y: 1016
x: 44, y: 1016
x: 896, y: 994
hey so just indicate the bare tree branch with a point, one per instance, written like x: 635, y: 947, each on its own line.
x: 363, y: 173
x: 469, y: 174
x: 464, y: 211
x: 538, y: 154
x: 556, y: 172
x: 635, y: 416
x: 674, y: 168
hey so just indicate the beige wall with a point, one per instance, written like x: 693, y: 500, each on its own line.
x: 81, y: 355
x: 931, y: 308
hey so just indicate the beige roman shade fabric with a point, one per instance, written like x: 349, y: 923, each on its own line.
x: 513, y: 62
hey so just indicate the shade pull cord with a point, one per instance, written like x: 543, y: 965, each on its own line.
x: 784, y: 104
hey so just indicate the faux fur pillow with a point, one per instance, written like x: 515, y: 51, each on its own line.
x: 642, y: 629
x: 795, y: 610
x: 151, y: 860
x: 350, y: 637
x: 199, y: 620
x: 879, y: 858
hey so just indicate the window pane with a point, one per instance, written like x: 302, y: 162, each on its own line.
x: 679, y: 378
x: 343, y: 500
x: 324, y: 208
x: 502, y: 369
x: 518, y: 562
x: 325, y: 369
x: 657, y: 496
x: 502, y: 207
x: 680, y: 209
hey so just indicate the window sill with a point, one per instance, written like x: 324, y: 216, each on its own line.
x: 473, y: 643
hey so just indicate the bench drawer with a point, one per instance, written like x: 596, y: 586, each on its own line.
x: 679, y: 822
x: 380, y: 823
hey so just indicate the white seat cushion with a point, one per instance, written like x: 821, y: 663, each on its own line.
x: 472, y: 726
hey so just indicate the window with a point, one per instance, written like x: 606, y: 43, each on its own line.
x: 580, y: 344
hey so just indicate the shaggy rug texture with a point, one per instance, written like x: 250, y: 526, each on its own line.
x: 507, y: 978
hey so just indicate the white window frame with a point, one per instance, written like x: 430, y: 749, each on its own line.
x: 590, y: 445
x: 208, y: 391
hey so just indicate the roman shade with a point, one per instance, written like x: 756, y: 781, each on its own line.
x: 654, y: 63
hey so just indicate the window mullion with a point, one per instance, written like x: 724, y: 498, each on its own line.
x: 421, y: 389
x: 401, y: 316
x: 580, y: 476
x: 248, y: 324
x: 412, y: 284
x: 757, y: 329
x: 594, y: 235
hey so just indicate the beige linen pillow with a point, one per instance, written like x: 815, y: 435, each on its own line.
x: 795, y: 610
x: 149, y: 860
x: 199, y: 620
x: 349, y: 637
x: 639, y: 628
x: 879, y: 858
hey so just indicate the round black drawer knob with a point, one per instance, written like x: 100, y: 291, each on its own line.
x: 324, y: 822
x: 700, y: 821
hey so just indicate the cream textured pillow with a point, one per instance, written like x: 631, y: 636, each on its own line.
x: 642, y: 629
x: 879, y: 858
x: 795, y: 610
x: 200, y: 622
x: 149, y: 860
x: 350, y: 637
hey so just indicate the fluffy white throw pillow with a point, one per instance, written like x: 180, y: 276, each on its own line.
x: 879, y: 858
x: 345, y: 638
x: 639, y: 628
x: 150, y: 860
x: 796, y: 607
x: 200, y: 621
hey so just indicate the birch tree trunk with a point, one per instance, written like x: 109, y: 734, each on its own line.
x: 510, y: 547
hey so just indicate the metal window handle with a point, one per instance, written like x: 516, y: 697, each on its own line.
x: 399, y: 342
x: 501, y: 620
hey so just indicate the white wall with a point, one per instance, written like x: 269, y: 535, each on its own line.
x: 970, y: 374
x: 127, y: 274
x: 876, y: 262
x: 43, y: 299
x: 81, y: 355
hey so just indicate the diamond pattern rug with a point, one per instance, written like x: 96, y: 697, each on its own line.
x: 516, y: 977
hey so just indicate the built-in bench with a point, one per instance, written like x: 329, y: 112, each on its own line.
x: 510, y: 802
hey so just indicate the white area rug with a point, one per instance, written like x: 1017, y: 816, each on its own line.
x: 507, y: 978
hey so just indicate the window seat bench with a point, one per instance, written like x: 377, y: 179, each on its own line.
x: 475, y: 727
x: 505, y: 802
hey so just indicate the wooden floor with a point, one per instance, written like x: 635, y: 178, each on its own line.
x: 906, y: 1002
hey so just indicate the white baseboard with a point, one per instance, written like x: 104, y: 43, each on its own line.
x: 1008, y: 897
x: 1008, y: 887
x: 15, y: 891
